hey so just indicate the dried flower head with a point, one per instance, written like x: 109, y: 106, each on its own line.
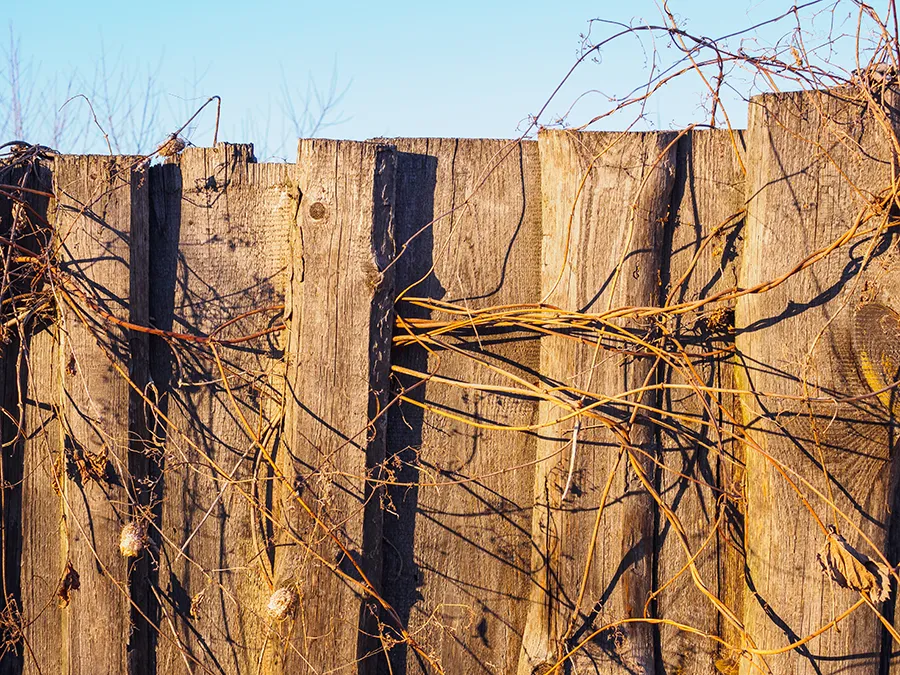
x: 282, y: 603
x: 172, y: 146
x: 133, y: 539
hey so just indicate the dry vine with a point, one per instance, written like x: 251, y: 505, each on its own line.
x: 36, y: 290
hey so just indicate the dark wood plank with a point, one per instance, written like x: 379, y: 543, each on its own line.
x: 458, y: 532
x: 702, y: 476
x: 605, y: 201
x: 814, y: 162
x: 340, y: 317
x: 32, y: 513
x: 220, y: 239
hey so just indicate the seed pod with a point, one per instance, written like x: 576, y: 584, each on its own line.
x: 282, y: 603
x: 133, y: 539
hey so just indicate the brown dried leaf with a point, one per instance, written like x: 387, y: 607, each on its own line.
x: 89, y: 466
x: 197, y: 604
x: 729, y: 665
x: 849, y: 568
x: 70, y: 581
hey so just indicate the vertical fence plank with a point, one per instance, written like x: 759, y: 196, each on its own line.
x: 220, y: 232
x: 43, y: 536
x: 31, y: 506
x: 102, y: 221
x: 338, y: 360
x: 458, y: 545
x: 11, y: 466
x: 43, y: 553
x: 814, y: 162
x: 702, y: 467
x: 605, y: 201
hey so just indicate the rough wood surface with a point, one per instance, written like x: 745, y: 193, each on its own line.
x: 11, y: 461
x: 102, y: 221
x: 619, y: 215
x: 703, y: 249
x: 457, y: 555
x: 813, y: 161
x: 220, y: 239
x: 33, y: 539
x: 340, y: 317
x: 43, y: 536
x: 481, y: 556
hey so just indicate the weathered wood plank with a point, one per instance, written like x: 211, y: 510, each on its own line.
x: 701, y: 479
x: 31, y: 505
x: 813, y: 161
x: 605, y: 201
x: 458, y: 546
x: 340, y: 317
x: 43, y: 536
x: 11, y: 461
x: 220, y: 233
x: 102, y: 221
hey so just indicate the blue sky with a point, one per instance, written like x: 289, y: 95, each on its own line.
x: 464, y: 68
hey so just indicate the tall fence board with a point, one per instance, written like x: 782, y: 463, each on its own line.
x: 457, y: 543
x: 221, y: 226
x: 813, y: 162
x: 31, y: 501
x: 25, y: 187
x: 102, y: 228
x: 11, y: 461
x: 701, y: 465
x: 605, y: 199
x: 43, y: 555
x: 281, y: 371
x: 341, y: 289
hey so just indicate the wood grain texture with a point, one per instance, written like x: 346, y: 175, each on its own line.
x: 703, y: 467
x: 340, y: 316
x: 619, y: 215
x: 457, y: 556
x: 32, y: 546
x: 102, y: 221
x: 43, y: 534
x: 813, y: 162
x: 43, y: 539
x: 220, y: 240
x: 33, y: 541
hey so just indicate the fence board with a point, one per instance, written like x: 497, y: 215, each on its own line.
x: 340, y: 325
x: 457, y: 555
x: 11, y: 466
x: 704, y: 245
x: 618, y: 216
x: 813, y: 162
x: 220, y: 234
x: 32, y: 508
x: 43, y: 536
x: 102, y: 222
x: 10, y: 462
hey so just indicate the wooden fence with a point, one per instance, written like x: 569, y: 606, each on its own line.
x: 504, y: 471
